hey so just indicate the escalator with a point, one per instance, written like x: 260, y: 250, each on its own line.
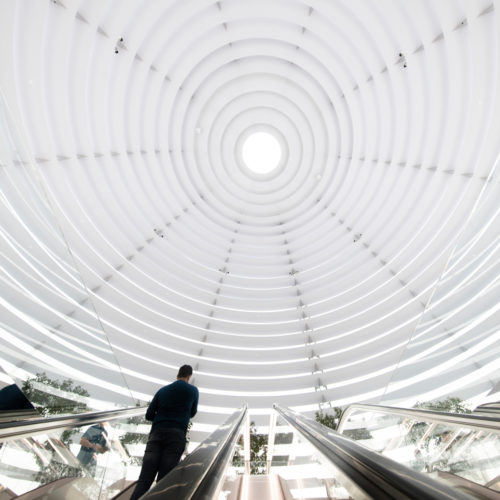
x: 39, y: 457
x: 462, y: 450
x: 379, y: 452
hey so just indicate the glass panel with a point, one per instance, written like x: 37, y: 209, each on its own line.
x: 303, y: 471
x: 443, y: 450
x: 13, y: 402
x: 454, y: 349
x: 89, y: 462
x: 130, y: 438
x: 55, y: 346
x: 296, y: 470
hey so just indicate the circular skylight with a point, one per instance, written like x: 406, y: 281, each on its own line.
x: 261, y: 152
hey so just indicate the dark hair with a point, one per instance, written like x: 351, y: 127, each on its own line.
x: 185, y: 371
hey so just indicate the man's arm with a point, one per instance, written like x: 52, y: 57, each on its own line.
x: 96, y: 447
x: 88, y: 438
x: 152, y: 408
x: 194, y: 407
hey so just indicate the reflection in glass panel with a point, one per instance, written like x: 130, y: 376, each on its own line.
x: 296, y: 470
x: 305, y: 473
x: 448, y: 452
x: 53, y: 338
x: 14, y: 405
x: 455, y: 347
x: 90, y: 462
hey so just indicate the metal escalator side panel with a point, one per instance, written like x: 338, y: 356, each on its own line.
x: 126, y: 493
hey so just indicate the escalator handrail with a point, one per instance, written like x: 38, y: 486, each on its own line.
x: 27, y: 428
x: 489, y: 409
x: 479, y: 422
x: 201, y: 472
x: 377, y: 475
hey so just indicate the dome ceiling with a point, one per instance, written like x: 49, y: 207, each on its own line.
x: 362, y: 266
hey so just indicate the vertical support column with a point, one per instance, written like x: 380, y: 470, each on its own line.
x: 246, y: 444
x: 270, y: 441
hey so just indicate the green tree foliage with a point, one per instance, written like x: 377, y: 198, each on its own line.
x: 332, y: 420
x: 418, y: 429
x: 238, y: 457
x: 55, y: 470
x: 448, y: 405
x: 258, y: 452
x: 130, y: 438
x: 329, y: 419
x: 51, y: 404
x: 357, y: 434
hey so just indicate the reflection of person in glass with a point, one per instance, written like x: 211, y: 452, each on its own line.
x: 94, y: 441
x: 418, y: 463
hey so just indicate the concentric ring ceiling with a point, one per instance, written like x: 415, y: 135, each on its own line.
x: 364, y: 267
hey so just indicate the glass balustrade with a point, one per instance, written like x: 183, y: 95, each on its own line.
x: 60, y: 461
x: 449, y: 451
x: 289, y: 467
x: 303, y: 460
x: 304, y: 472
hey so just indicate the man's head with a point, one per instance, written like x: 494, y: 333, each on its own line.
x: 185, y: 372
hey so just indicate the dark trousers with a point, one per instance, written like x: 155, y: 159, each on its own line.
x: 163, y: 452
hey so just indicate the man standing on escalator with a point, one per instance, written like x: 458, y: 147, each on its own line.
x: 170, y: 411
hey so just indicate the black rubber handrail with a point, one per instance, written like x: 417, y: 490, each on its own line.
x: 375, y: 475
x: 201, y: 473
x: 26, y: 428
x: 471, y: 420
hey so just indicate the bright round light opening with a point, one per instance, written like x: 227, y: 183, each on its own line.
x: 261, y: 152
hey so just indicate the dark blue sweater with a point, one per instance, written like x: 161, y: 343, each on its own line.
x: 173, y: 406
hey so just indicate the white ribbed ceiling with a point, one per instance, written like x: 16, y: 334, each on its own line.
x: 364, y: 267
